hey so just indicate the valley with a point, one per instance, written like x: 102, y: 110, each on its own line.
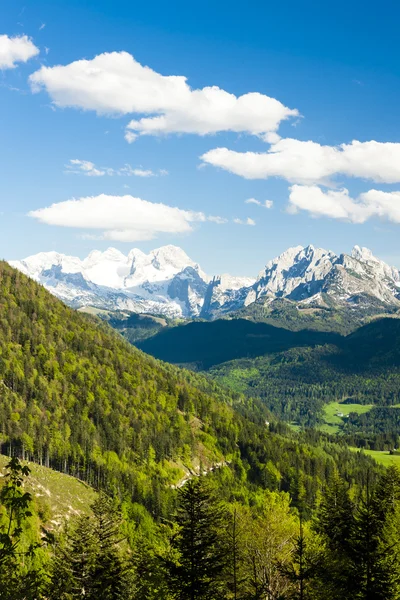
x: 199, y: 301
x: 112, y: 433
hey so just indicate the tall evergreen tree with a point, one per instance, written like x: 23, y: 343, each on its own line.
x: 73, y: 562
x: 302, y: 569
x: 110, y: 574
x: 88, y: 563
x: 376, y: 541
x: 335, y: 523
x: 199, y: 544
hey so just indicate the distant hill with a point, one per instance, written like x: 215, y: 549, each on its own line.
x: 375, y: 345
x: 205, y: 344
x: 133, y: 326
x: 323, y: 315
x: 294, y: 372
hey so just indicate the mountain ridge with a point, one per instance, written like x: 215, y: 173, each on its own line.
x: 167, y: 281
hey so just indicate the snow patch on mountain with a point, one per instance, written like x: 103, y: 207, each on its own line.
x: 166, y: 281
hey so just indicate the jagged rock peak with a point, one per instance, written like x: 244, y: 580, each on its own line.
x: 167, y: 280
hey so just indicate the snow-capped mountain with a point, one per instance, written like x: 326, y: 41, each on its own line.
x: 303, y: 274
x: 167, y: 281
x: 164, y: 281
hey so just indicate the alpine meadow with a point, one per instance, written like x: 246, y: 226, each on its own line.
x: 199, y: 301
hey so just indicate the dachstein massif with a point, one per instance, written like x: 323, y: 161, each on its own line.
x: 166, y: 281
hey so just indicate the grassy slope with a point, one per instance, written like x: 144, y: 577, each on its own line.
x: 58, y: 496
x: 332, y: 421
x: 383, y: 458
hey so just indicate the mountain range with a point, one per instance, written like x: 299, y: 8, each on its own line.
x: 166, y: 281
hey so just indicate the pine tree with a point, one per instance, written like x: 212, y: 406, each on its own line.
x: 110, y: 573
x: 202, y: 553
x: 335, y: 523
x: 376, y: 546
x: 88, y: 563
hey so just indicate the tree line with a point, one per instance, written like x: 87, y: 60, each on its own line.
x: 209, y: 549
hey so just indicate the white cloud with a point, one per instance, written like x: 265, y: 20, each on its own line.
x: 85, y: 167
x: 128, y: 170
x: 338, y: 204
x: 247, y: 221
x: 309, y: 162
x: 116, y: 84
x: 217, y: 220
x: 265, y: 204
x: 16, y: 49
x: 120, y: 218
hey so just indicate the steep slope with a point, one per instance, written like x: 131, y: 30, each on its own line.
x: 57, y: 496
x: 74, y: 395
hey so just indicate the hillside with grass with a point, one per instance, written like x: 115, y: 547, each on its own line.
x: 58, y: 497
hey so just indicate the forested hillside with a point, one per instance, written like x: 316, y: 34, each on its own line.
x: 294, y: 373
x: 205, y: 344
x: 323, y: 314
x: 77, y: 397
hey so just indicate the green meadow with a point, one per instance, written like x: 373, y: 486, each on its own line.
x: 382, y: 457
x: 332, y: 420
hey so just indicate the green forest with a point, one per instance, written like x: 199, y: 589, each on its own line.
x: 197, y: 490
x: 210, y: 547
x: 296, y: 373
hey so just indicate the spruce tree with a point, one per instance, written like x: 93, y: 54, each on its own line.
x: 335, y: 523
x: 73, y: 563
x: 303, y: 568
x: 110, y: 574
x: 376, y: 545
x: 89, y: 563
x: 199, y: 544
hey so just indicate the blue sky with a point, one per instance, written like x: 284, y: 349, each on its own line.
x: 335, y: 64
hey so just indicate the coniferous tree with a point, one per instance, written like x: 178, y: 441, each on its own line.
x: 110, y: 574
x: 335, y: 524
x: 375, y: 544
x: 73, y: 563
x: 303, y: 568
x: 199, y: 543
